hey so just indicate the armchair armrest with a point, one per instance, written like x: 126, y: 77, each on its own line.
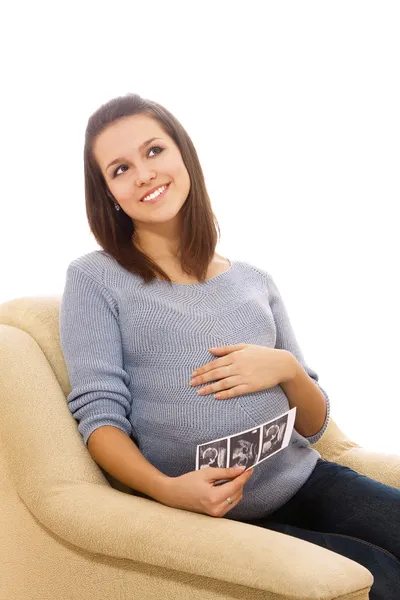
x: 380, y: 466
x: 337, y: 447
x: 104, y: 521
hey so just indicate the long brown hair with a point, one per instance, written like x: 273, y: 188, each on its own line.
x: 114, y: 230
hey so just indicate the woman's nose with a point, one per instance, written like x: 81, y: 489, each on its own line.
x: 144, y: 175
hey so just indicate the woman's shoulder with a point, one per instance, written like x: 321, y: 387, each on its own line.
x: 253, y: 270
x: 93, y: 264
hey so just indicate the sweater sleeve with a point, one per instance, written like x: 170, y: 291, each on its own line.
x: 286, y: 340
x: 91, y: 344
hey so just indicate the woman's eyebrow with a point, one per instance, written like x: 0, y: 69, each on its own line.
x: 117, y: 160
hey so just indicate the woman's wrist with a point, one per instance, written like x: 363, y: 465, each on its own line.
x: 161, y: 488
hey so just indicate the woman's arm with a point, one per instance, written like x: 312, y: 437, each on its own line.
x: 303, y: 391
x: 114, y: 451
x: 310, y: 402
x: 195, y: 491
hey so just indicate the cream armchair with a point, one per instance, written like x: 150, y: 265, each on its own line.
x: 68, y: 531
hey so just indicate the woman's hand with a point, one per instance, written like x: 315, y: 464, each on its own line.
x: 244, y: 368
x: 195, y: 491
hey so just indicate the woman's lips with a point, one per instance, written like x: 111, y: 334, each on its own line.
x: 155, y: 200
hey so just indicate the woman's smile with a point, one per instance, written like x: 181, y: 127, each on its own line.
x: 156, y: 196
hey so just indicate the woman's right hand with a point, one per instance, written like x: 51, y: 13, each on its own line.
x: 196, y: 492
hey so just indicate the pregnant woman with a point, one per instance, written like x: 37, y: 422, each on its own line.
x: 169, y: 345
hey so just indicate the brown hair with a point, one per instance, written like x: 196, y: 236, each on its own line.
x: 114, y: 230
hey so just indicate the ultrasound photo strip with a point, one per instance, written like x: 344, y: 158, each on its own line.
x: 249, y: 447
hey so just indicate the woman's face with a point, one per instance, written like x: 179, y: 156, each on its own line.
x: 132, y: 169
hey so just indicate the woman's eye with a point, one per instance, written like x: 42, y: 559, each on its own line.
x: 152, y: 148
x: 118, y: 168
x: 158, y: 147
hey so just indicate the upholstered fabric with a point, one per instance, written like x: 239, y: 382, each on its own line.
x: 66, y: 533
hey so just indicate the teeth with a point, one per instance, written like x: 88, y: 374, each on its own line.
x: 155, y: 194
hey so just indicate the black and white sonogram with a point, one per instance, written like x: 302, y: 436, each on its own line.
x: 213, y: 454
x: 247, y: 448
x: 244, y: 448
x: 272, y: 436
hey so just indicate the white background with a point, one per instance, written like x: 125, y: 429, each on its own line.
x: 294, y: 110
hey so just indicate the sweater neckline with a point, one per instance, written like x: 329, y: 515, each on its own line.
x: 203, y: 284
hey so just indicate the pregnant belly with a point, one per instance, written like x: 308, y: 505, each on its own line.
x: 168, y: 433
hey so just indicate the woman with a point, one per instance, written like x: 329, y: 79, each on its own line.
x: 138, y: 317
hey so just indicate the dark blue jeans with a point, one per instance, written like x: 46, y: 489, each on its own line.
x: 348, y: 513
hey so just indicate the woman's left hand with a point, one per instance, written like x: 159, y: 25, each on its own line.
x: 244, y: 368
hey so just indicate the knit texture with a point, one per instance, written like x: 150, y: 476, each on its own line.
x: 130, y: 349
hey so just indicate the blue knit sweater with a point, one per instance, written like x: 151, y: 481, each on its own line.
x: 130, y: 349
